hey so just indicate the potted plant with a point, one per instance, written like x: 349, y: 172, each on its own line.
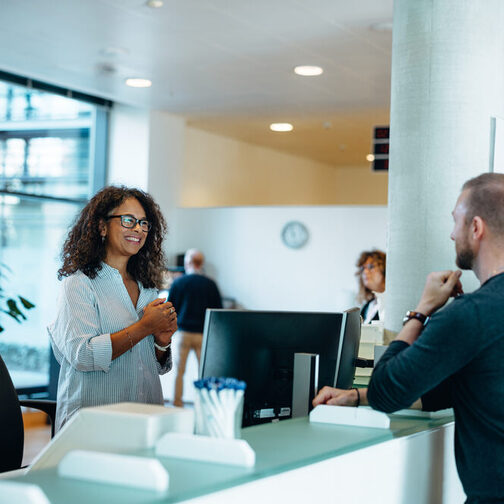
x: 9, y: 304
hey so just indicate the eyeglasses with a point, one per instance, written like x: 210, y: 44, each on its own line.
x: 369, y: 267
x: 129, y: 222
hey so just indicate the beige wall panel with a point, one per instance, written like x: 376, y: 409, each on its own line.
x: 221, y: 171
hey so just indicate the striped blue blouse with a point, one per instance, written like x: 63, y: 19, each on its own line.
x: 89, y: 310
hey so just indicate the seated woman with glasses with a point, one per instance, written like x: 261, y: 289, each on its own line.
x: 112, y: 334
x: 371, y: 275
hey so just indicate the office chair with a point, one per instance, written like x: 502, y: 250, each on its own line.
x: 11, y: 421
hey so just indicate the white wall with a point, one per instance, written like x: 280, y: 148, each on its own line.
x: 128, y: 158
x: 148, y: 149
x: 223, y: 172
x: 166, y: 163
x: 242, y: 244
x: 247, y: 258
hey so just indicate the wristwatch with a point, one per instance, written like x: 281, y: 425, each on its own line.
x: 416, y: 315
x: 162, y: 348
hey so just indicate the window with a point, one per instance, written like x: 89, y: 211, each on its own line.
x: 52, y: 158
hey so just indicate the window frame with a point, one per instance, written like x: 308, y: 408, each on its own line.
x: 97, y: 126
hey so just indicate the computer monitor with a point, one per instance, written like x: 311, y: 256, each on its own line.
x: 258, y: 347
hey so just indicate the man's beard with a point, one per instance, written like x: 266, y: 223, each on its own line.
x: 465, y: 257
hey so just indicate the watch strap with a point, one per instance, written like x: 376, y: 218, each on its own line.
x: 416, y: 315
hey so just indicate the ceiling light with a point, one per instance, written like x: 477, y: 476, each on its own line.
x: 370, y: 158
x: 154, y: 4
x: 138, y: 83
x: 281, y: 127
x: 308, y: 70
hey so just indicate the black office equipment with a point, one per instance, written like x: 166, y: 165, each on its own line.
x: 259, y: 346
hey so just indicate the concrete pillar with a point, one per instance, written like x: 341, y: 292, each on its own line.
x: 447, y: 83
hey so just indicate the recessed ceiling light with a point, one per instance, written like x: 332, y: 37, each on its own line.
x: 138, y: 83
x: 154, y: 4
x: 308, y: 70
x: 370, y: 158
x: 281, y: 127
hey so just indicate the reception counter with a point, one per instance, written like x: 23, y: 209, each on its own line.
x: 299, y: 461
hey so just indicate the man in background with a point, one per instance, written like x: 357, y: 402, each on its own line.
x: 191, y: 295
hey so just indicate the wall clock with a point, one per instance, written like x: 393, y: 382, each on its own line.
x: 295, y: 234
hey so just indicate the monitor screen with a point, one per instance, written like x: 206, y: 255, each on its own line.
x: 258, y: 347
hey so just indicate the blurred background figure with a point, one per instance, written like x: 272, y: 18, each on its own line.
x: 371, y: 275
x: 191, y: 295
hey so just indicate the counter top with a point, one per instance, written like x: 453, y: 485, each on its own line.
x: 279, y: 447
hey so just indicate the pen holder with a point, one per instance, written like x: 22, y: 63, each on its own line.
x: 218, y: 407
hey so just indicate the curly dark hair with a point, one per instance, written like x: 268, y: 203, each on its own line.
x: 84, y: 249
x: 380, y: 259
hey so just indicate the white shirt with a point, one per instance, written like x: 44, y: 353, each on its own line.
x: 89, y: 310
x: 376, y: 305
x: 380, y: 301
x: 371, y: 311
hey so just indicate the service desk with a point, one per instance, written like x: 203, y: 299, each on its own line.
x: 412, y: 462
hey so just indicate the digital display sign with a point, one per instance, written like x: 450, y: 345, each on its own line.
x: 381, y: 135
x: 382, y: 132
x: 381, y: 148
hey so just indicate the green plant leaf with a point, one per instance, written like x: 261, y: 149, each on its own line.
x: 11, y: 307
x: 27, y: 304
x: 14, y: 310
x: 11, y: 303
x: 13, y: 315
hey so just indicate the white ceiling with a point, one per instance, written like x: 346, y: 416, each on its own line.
x: 226, y: 65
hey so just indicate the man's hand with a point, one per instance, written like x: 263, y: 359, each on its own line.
x: 439, y: 287
x: 338, y: 397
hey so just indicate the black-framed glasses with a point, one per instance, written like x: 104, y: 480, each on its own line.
x: 129, y: 222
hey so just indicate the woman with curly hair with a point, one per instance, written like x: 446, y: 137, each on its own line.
x: 112, y: 334
x: 371, y: 275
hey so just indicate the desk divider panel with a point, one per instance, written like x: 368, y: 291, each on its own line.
x: 12, y: 492
x: 235, y: 452
x: 346, y: 415
x: 124, y: 470
x: 116, y: 428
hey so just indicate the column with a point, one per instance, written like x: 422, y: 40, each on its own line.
x: 447, y: 83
